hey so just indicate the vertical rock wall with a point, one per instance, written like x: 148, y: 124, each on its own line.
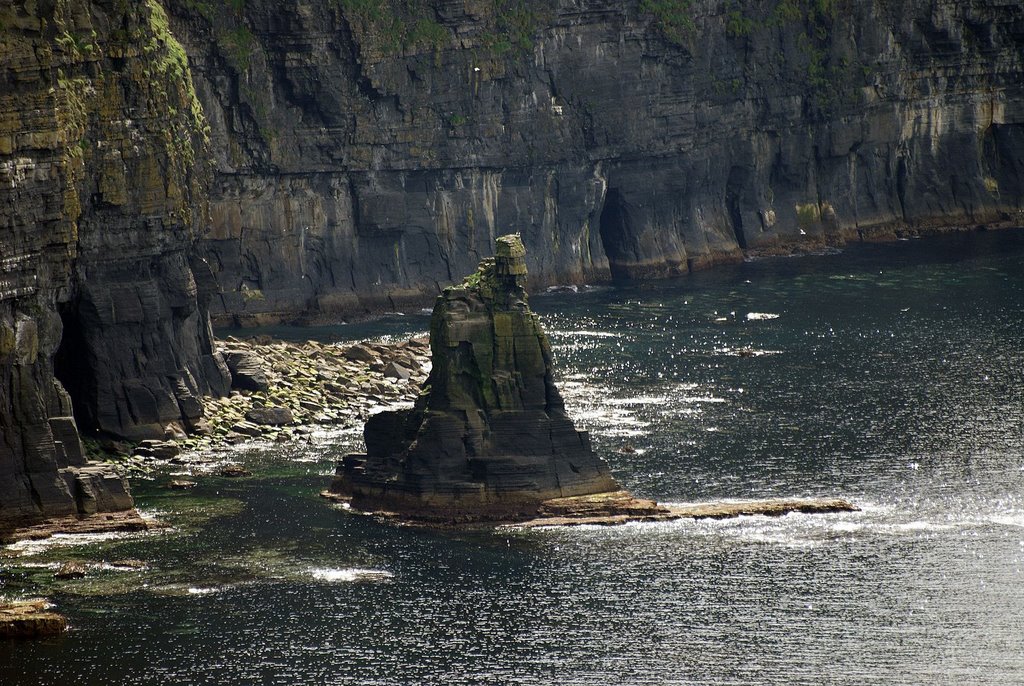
x: 367, y: 153
x: 102, y: 168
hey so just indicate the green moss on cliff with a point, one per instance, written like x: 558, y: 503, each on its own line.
x: 396, y: 25
x: 673, y: 18
x: 172, y: 64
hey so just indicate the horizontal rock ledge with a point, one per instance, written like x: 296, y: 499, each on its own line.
x: 591, y: 510
x: 128, y: 520
x: 615, y: 507
x: 30, y: 619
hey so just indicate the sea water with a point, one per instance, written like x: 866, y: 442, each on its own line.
x: 891, y: 375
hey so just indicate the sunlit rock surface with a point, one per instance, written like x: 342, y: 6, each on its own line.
x: 30, y: 619
x: 489, y: 437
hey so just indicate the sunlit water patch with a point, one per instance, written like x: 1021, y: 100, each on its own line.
x: 334, y: 575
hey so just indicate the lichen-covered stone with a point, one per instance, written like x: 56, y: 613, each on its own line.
x: 489, y: 437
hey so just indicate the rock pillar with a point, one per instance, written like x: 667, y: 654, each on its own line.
x: 489, y: 437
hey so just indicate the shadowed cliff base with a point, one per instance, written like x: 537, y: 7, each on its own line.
x: 488, y: 439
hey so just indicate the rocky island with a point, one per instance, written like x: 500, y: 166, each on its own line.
x: 488, y: 439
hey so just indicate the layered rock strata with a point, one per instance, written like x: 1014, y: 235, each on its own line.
x: 489, y: 437
x: 30, y: 619
x: 102, y: 305
x: 368, y: 152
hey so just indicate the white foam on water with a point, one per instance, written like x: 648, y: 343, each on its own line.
x: 588, y: 334
x: 1015, y: 520
x: 760, y: 316
x: 745, y: 352
x: 30, y: 547
x: 638, y: 400
x: 347, y: 574
x: 203, y: 590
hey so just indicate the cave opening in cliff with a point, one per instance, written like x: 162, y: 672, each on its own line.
x: 73, y: 368
x: 615, y: 234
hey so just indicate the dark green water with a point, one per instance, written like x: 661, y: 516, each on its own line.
x: 893, y: 375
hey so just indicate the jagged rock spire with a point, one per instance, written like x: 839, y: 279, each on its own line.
x: 489, y: 437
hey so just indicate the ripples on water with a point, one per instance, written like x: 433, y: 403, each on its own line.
x: 891, y: 375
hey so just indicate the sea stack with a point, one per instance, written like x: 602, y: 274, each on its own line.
x: 488, y: 438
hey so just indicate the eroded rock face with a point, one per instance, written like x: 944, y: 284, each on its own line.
x: 362, y: 160
x: 101, y: 199
x: 489, y: 437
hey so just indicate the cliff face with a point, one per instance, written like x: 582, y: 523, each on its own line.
x: 368, y: 152
x: 101, y: 179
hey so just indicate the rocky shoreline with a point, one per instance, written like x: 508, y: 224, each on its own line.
x: 280, y: 391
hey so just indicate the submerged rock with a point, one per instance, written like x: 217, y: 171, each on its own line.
x: 233, y: 471
x: 70, y: 570
x: 489, y: 437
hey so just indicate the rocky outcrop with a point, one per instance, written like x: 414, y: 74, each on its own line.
x: 369, y: 153
x: 30, y: 619
x: 489, y: 437
x: 619, y: 508
x: 102, y: 307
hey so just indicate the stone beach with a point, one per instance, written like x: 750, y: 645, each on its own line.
x: 280, y: 389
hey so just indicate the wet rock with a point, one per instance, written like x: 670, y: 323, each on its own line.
x: 70, y: 570
x: 233, y: 471
x: 30, y: 619
x: 125, y: 520
x: 247, y: 429
x: 270, y: 416
x: 160, y: 450
x: 491, y: 440
x: 174, y: 432
x: 129, y: 564
x: 181, y: 484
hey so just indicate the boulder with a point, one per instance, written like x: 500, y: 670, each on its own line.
x: 246, y: 371
x: 70, y: 570
x: 161, y: 450
x: 247, y: 429
x: 396, y: 371
x: 233, y: 471
x: 361, y: 352
x: 270, y: 416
